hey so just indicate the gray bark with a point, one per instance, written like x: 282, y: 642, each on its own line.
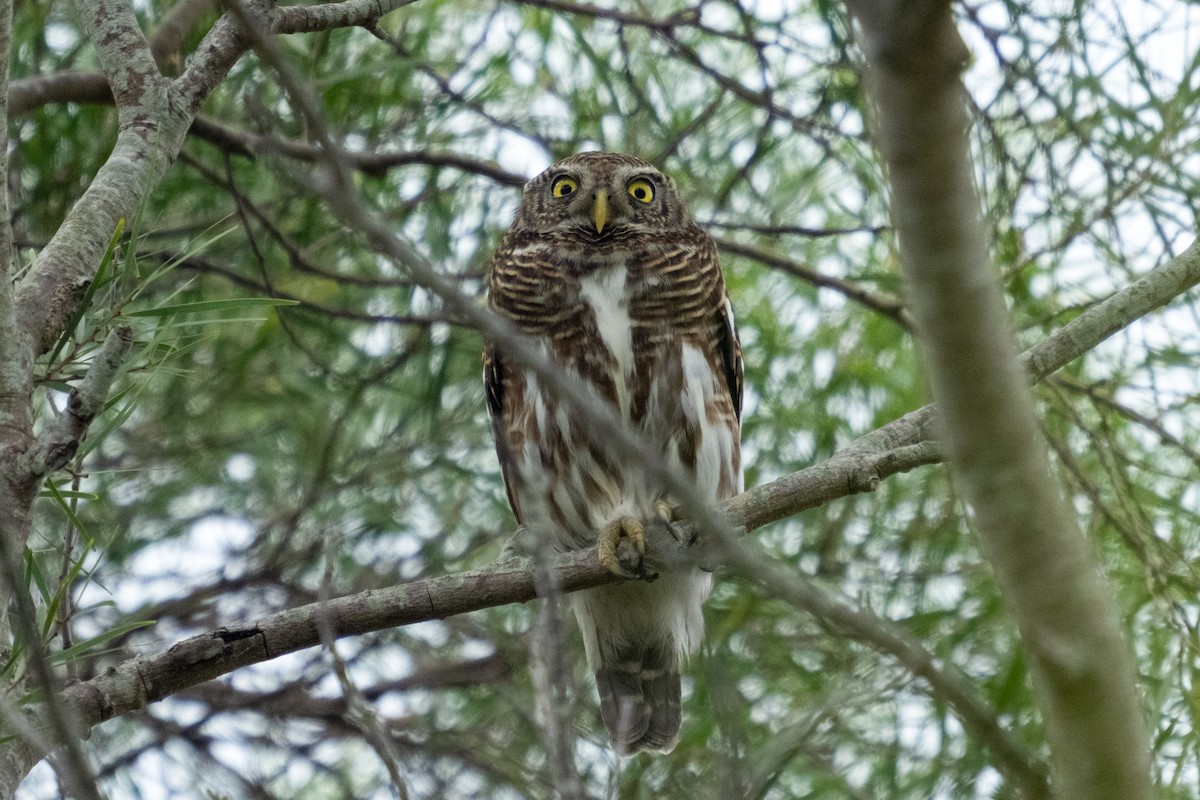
x: 1082, y: 668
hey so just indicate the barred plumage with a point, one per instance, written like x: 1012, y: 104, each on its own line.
x: 605, y: 268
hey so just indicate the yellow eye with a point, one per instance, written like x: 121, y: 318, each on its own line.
x: 564, y: 186
x: 641, y: 190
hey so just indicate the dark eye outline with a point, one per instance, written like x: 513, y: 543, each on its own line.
x: 641, y: 184
x: 564, y: 182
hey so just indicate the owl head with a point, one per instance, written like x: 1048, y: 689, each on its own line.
x: 600, y: 197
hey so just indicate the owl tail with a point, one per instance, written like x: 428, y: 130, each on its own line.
x: 639, y: 696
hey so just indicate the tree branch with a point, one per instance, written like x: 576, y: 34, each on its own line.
x: 28, y: 94
x: 1082, y: 668
x: 890, y: 307
x: 59, y: 440
x: 1012, y: 758
x: 1149, y: 293
x: 133, y: 684
x: 251, y: 145
x: 147, y: 140
x: 14, y: 376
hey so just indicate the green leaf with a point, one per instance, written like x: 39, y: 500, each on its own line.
x: 86, y: 302
x: 61, y: 501
x: 82, y: 648
x: 33, y: 573
x: 203, y: 306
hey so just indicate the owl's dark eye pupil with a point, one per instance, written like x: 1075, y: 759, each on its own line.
x: 639, y: 193
x: 565, y: 189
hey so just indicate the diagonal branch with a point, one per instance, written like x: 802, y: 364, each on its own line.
x: 1082, y: 668
x: 155, y: 116
x: 148, y: 138
x: 251, y: 145
x: 890, y: 307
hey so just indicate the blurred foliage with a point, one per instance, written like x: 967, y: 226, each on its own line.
x: 255, y: 449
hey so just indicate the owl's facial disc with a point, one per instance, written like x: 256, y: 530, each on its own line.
x: 592, y: 201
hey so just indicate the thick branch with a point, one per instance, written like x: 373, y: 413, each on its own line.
x: 124, y: 56
x: 148, y: 138
x: 14, y: 380
x: 135, y: 683
x: 1082, y: 669
x: 16, y: 362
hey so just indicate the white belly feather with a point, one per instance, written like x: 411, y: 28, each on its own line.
x: 604, y: 292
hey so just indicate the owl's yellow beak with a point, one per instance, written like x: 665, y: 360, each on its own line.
x: 600, y: 210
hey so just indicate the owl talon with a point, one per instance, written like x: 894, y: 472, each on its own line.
x: 666, y: 516
x: 610, y: 539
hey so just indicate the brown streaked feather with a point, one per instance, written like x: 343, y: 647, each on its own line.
x: 729, y: 344
x: 493, y: 389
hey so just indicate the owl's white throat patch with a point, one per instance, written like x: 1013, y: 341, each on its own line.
x: 603, y: 291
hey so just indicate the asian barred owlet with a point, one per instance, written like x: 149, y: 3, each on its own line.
x: 605, y: 268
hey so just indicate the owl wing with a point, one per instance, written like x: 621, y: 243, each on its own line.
x: 729, y: 346
x: 493, y: 389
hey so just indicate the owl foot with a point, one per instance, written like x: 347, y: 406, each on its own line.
x: 610, y: 539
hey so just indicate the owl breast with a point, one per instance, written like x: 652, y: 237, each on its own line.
x: 654, y: 369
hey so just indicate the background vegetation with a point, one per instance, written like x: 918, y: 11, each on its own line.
x: 257, y: 456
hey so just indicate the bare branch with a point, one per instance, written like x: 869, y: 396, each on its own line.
x: 252, y: 145
x: 891, y: 308
x: 133, y: 684
x: 28, y: 94
x: 1081, y: 665
x: 1149, y: 293
x: 325, y: 16
x: 14, y: 373
x: 124, y: 56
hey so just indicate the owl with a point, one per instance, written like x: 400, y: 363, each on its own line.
x: 605, y: 269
